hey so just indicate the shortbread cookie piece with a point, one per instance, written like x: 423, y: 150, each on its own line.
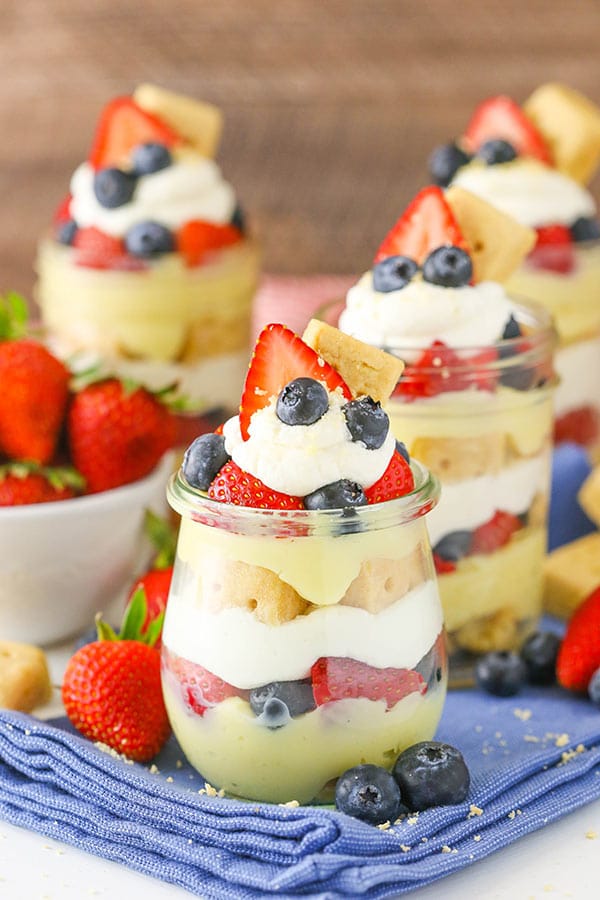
x: 24, y: 678
x: 201, y: 123
x: 503, y: 630
x: 570, y: 123
x: 244, y: 586
x: 571, y: 572
x: 589, y: 496
x: 456, y: 458
x: 367, y: 370
x: 498, y: 243
x: 382, y: 582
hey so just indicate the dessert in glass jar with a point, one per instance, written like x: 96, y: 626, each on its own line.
x: 304, y: 631
x: 474, y: 403
x: 533, y: 163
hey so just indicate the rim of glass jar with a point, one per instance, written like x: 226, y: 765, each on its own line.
x: 192, y: 503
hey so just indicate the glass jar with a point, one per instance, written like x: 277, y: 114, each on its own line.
x: 300, y: 643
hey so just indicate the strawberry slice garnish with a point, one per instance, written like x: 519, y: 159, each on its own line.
x: 396, y: 481
x: 500, y: 118
x: 581, y: 426
x: 279, y: 357
x: 579, y: 654
x: 439, y: 368
x: 199, y: 688
x: 233, y: 485
x: 62, y: 213
x: 97, y: 250
x: 197, y: 239
x: 341, y: 678
x: 554, y: 250
x: 495, y: 533
x: 443, y: 566
x: 122, y: 126
x: 426, y: 224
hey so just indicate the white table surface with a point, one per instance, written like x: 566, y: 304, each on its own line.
x: 561, y: 860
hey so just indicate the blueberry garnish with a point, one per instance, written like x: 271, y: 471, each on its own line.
x: 297, y: 697
x: 448, y: 266
x: 149, y: 239
x: 444, y: 163
x: 66, y: 232
x: 495, y: 152
x: 367, y: 422
x: 501, y: 673
x: 431, y: 774
x: 401, y: 449
x: 203, y: 459
x: 585, y: 229
x: 512, y: 329
x: 342, y: 494
x: 275, y: 713
x: 539, y: 654
x: 149, y: 158
x: 368, y: 793
x: 454, y: 546
x: 113, y: 187
x: 302, y: 402
x: 594, y: 688
x: 238, y: 219
x: 393, y: 273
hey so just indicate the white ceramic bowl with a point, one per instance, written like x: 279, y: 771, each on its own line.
x: 60, y: 563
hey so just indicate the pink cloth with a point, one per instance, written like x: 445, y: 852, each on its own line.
x: 292, y: 300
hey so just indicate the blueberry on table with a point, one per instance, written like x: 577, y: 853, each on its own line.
x: 431, y: 774
x: 302, y: 401
x: 151, y: 157
x: 113, y: 188
x: 393, y: 273
x: 367, y: 422
x: 585, y: 229
x: 342, y: 494
x: 502, y: 673
x: 448, y: 267
x: 594, y: 688
x: 297, y: 696
x: 149, y: 239
x: 368, y: 793
x: 539, y: 654
x: 496, y: 152
x: 203, y: 459
x: 454, y: 546
x: 444, y: 163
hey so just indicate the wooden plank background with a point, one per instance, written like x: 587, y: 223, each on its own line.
x: 331, y: 105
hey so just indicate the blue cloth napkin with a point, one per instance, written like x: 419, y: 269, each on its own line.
x: 533, y: 758
x: 567, y: 521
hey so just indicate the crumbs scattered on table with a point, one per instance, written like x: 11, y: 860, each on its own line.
x: 474, y: 811
x: 412, y: 820
x: 383, y: 826
x: 447, y: 849
x: 154, y: 770
x: 591, y: 835
x: 562, y: 740
x: 405, y: 848
x: 567, y: 755
x: 531, y: 738
x: 210, y: 791
x: 291, y: 804
x: 179, y: 764
x: 523, y: 714
x: 476, y: 837
x: 112, y: 752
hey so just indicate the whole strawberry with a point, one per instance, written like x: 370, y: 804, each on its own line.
x: 112, y: 688
x: 23, y: 483
x: 34, y: 391
x: 156, y: 582
x: 579, y: 654
x: 117, y: 433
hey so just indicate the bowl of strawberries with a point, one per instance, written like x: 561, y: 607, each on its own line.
x: 81, y: 461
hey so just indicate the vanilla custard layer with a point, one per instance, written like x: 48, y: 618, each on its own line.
x: 165, y: 312
x: 235, y: 752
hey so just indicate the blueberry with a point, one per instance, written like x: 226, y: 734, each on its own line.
x: 297, y: 697
x: 539, y: 654
x: 401, y: 449
x: 150, y: 157
x: 501, y: 673
x: 594, y: 688
x: 584, y: 229
x: 342, y: 494
x: 367, y: 422
x: 302, y: 402
x: 448, y: 266
x: 149, y: 239
x: 431, y: 774
x: 203, y: 459
x: 113, y: 187
x: 454, y: 546
x: 393, y: 273
x: 444, y: 163
x: 275, y: 713
x: 238, y: 219
x: 495, y: 152
x: 512, y: 329
x: 368, y: 793
x: 429, y: 667
x: 66, y: 231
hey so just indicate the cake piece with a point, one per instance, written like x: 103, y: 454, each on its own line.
x: 24, y: 677
x: 200, y: 123
x: 589, y: 496
x: 456, y: 458
x: 571, y: 572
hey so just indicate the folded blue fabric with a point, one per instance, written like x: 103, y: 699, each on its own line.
x: 532, y: 759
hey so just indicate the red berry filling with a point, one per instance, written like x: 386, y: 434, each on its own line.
x: 579, y: 426
x: 486, y: 539
x: 440, y: 369
x: 554, y: 250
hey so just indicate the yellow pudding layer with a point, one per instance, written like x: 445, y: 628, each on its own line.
x: 166, y: 312
x: 295, y: 762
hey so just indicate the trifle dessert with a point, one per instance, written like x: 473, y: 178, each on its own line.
x: 303, y: 632
x: 148, y: 268
x: 474, y: 402
x: 533, y: 162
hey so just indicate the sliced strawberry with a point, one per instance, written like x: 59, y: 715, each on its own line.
x: 341, y: 678
x: 427, y: 223
x: 443, y: 566
x: 62, y: 213
x: 480, y: 373
x: 396, y: 481
x: 579, y: 654
x: 500, y: 118
x: 431, y: 373
x: 495, y: 533
x: 122, y: 126
x: 233, y: 485
x: 199, y: 688
x: 581, y: 426
x: 554, y: 250
x: 279, y: 357
x: 196, y: 239
x: 97, y: 250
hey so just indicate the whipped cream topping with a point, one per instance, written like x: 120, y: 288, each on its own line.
x: 298, y: 459
x: 529, y: 191
x: 414, y: 316
x: 578, y: 369
x: 190, y: 188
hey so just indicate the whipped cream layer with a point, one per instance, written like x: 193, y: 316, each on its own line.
x: 298, y: 459
x: 414, y: 316
x: 234, y: 645
x: 529, y: 191
x: 578, y: 368
x: 190, y: 188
